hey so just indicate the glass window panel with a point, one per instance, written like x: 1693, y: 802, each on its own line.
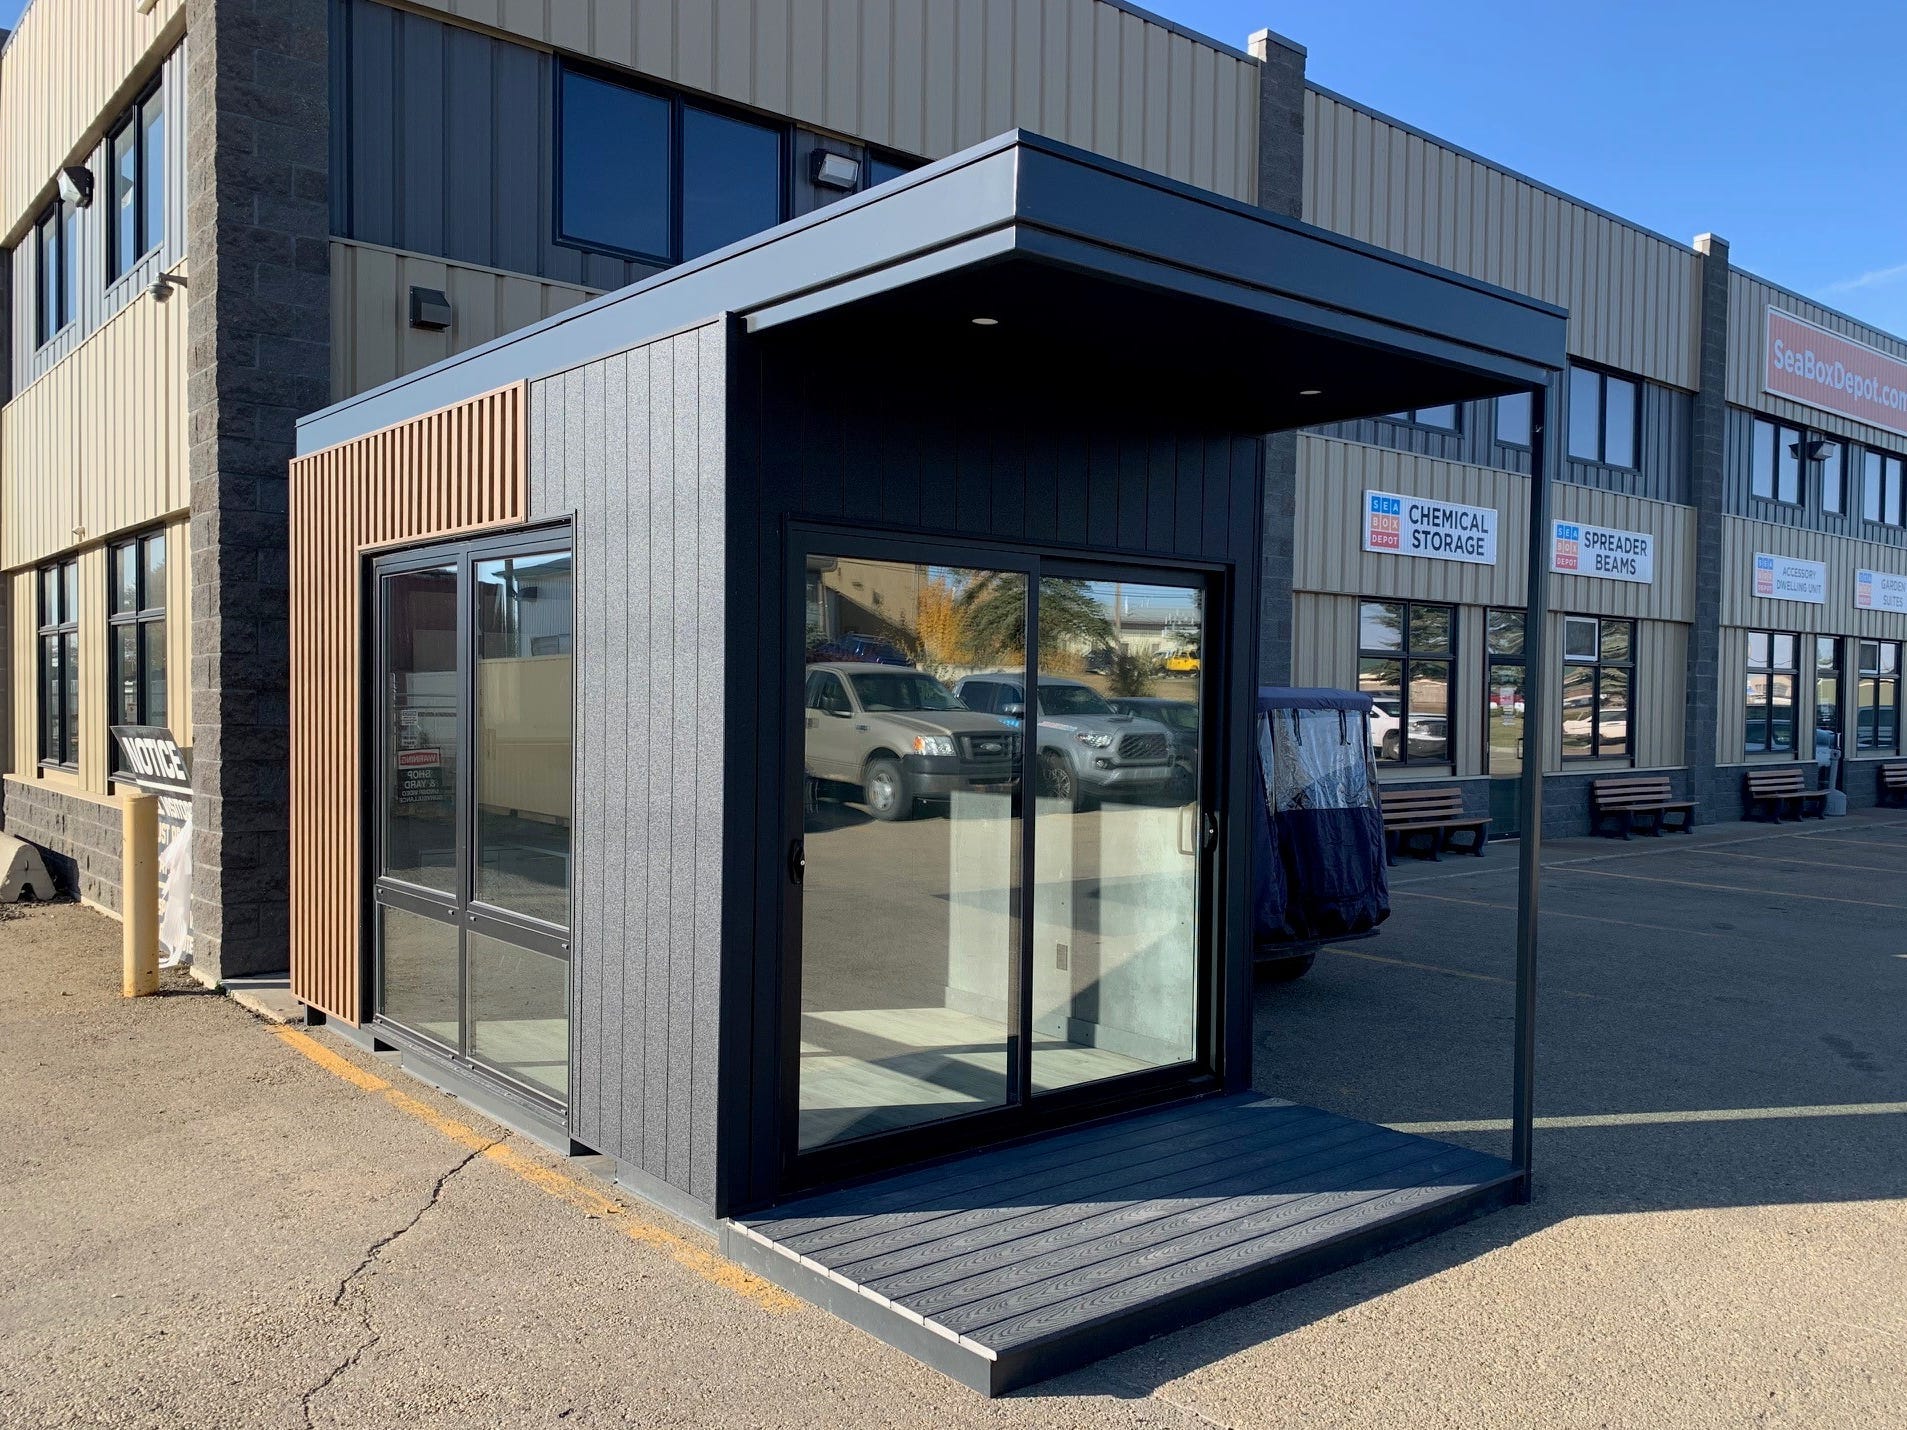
x: 1887, y: 717
x: 1506, y: 632
x: 1890, y: 510
x: 48, y: 310
x: 1788, y: 465
x: 519, y: 1012
x: 69, y: 592
x: 1579, y: 700
x: 1781, y: 712
x: 1427, y: 734
x: 1503, y: 718
x: 1870, y: 657
x: 153, y: 143
x: 1758, y: 650
x: 123, y: 216
x: 616, y: 156
x: 731, y: 180
x: 1890, y: 657
x: 1585, y: 414
x: 152, y: 589
x: 1513, y: 419
x: 50, y: 697
x: 880, y: 169
x: 1827, y: 653
x: 1831, y: 477
x: 153, y: 698
x: 1444, y: 416
x: 50, y: 596
x: 126, y: 577
x: 1430, y: 630
x: 69, y: 699
x: 417, y: 974
x: 1619, y: 422
x: 1383, y: 681
x: 420, y: 727
x: 1782, y: 652
x: 1618, y: 645
x: 1762, y: 477
x: 1612, y: 714
x: 1579, y: 638
x: 67, y: 276
x: 524, y: 735
x: 1756, y: 732
x: 125, y: 692
x: 1867, y: 736
x: 1380, y: 626
x: 1871, y: 486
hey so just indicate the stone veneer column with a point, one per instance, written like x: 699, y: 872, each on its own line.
x: 1280, y: 190
x: 258, y: 327
x: 1720, y: 799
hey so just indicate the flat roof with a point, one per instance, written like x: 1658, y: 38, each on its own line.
x: 1029, y: 199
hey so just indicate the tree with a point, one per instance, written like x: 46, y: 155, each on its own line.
x: 1128, y: 673
x: 994, y: 607
x: 940, y: 638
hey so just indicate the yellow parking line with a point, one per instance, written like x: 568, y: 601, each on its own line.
x: 548, y: 1180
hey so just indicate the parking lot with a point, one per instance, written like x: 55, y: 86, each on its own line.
x: 212, y: 1224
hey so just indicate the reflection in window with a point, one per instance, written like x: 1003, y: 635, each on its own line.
x: 1880, y: 488
x: 136, y: 634
x: 1878, y: 714
x: 55, y: 253
x: 1598, y: 688
x: 420, y: 729
x: 731, y: 179
x: 1513, y: 419
x: 1603, y: 414
x: 1503, y: 694
x: 1407, y: 665
x: 59, y: 664
x: 135, y: 213
x: 1770, y: 692
x: 1775, y: 472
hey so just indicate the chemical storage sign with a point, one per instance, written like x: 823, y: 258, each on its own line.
x: 1837, y: 374
x: 1416, y: 526
x: 1578, y: 550
x: 1787, y: 578
x: 1879, y: 591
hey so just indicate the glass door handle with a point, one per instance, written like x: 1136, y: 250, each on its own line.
x: 797, y: 861
x: 1208, y: 831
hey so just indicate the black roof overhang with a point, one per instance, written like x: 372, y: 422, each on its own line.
x: 1095, y: 271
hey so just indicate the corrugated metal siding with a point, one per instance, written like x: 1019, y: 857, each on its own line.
x: 1742, y: 538
x: 1738, y: 498
x: 372, y: 340
x: 99, y: 442
x: 1749, y: 299
x: 1630, y: 294
x: 634, y: 445
x: 928, y: 77
x: 460, y: 469
x: 1671, y: 597
x: 1731, y: 697
x: 65, y: 67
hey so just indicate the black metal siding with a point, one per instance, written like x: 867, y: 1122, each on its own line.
x: 1738, y: 476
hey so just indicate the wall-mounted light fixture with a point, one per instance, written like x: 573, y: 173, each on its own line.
x: 1815, y: 450
x: 76, y: 185
x: 430, y: 309
x: 161, y: 287
x: 835, y: 171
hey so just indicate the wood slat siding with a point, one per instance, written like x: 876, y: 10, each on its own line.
x: 64, y: 69
x: 928, y: 77
x: 372, y: 341
x: 634, y: 446
x: 456, y: 470
x: 1630, y: 293
x: 65, y: 464
x: 1749, y: 298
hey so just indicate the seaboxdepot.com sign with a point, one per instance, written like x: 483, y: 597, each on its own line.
x: 1809, y: 364
x: 1417, y: 526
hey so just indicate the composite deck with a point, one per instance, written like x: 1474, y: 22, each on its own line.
x: 1005, y: 1266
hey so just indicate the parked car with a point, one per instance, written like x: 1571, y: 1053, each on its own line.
x: 1180, y: 718
x: 858, y: 649
x: 1087, y: 749
x: 1428, y: 734
x: 901, y: 737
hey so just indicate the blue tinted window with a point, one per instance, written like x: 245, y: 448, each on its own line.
x: 615, y: 167
x: 731, y: 180
x: 880, y: 169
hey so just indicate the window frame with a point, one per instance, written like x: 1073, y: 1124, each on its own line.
x: 1598, y: 664
x: 61, y: 626
x: 56, y: 220
x: 1529, y: 421
x: 1769, y: 751
x: 133, y: 120
x: 1604, y: 377
x: 1877, y: 675
x: 1839, y: 484
x: 143, y: 615
x: 1769, y: 432
x: 1890, y: 470
x: 678, y: 101
x: 1405, y: 657
x: 1409, y: 418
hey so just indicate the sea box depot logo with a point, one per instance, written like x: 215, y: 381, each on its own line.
x: 1764, y: 575
x: 1568, y: 547
x: 1384, y: 523
x: 1399, y: 525
x: 1864, y: 590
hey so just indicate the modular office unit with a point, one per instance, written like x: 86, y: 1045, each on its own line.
x: 605, y: 740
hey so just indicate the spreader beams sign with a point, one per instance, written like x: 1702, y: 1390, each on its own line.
x: 1579, y: 550
x: 1416, y: 526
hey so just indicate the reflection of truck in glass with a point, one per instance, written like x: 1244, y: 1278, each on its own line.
x: 1086, y: 748
x: 901, y: 737
x: 1180, y: 718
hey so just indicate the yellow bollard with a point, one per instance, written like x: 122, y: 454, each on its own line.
x: 139, y: 894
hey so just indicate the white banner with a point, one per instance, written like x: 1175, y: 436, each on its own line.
x: 1578, y: 550
x: 1879, y: 591
x: 1788, y: 578
x: 1416, y: 526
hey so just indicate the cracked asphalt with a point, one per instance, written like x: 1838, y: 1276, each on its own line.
x: 204, y: 1229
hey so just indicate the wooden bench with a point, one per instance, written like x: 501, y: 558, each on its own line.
x: 1890, y: 784
x: 1772, y: 793
x: 1431, y: 817
x: 1634, y: 804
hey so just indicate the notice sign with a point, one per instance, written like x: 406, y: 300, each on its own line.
x: 1837, y: 374
x: 154, y: 763
x: 1880, y: 591
x: 1579, y: 550
x: 1787, y: 578
x: 420, y: 777
x: 1417, y: 526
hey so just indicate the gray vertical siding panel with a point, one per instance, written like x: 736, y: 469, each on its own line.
x: 710, y: 687
x: 659, y: 808
x: 1738, y: 497
x: 685, y: 644
x: 631, y: 956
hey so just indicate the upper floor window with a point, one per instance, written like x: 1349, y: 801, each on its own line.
x: 1603, y: 411
x: 1880, y: 488
x: 58, y: 710
x: 882, y: 167
x: 1776, y: 470
x: 54, y: 253
x: 1443, y: 418
x: 136, y: 166
x: 656, y: 177
x: 1513, y: 419
x: 1832, y: 457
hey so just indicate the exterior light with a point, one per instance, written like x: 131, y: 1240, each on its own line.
x: 161, y: 287
x: 986, y: 322
x: 76, y: 185
x: 430, y: 309
x: 835, y: 171
x: 1310, y: 392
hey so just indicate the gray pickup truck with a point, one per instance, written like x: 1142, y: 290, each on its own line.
x: 901, y: 737
x: 1086, y: 748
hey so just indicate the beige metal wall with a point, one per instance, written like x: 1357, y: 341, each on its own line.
x: 1742, y: 538
x: 1749, y: 298
x: 63, y: 75
x: 372, y: 340
x: 97, y: 444
x: 929, y: 77
x: 1630, y: 293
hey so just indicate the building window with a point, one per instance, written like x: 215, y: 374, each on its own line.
x: 136, y: 165
x: 1880, y: 487
x: 136, y: 633
x: 1771, y: 682
x: 882, y: 167
x: 657, y: 178
x: 59, y: 664
x: 1503, y: 694
x: 55, y: 251
x: 1877, y: 716
x: 1406, y: 663
x: 1602, y: 417
x: 1833, y: 460
x: 1513, y: 420
x: 1443, y: 418
x: 1827, y: 696
x: 1599, y: 663
x: 1776, y: 471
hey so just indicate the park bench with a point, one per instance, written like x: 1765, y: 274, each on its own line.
x: 1431, y: 818
x: 1638, y: 804
x: 1890, y: 783
x: 1772, y: 793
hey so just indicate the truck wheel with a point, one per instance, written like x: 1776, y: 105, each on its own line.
x: 1058, y: 781
x: 884, y: 788
x: 1393, y: 745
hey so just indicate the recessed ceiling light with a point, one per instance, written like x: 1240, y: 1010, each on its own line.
x: 1310, y: 392
x: 986, y: 322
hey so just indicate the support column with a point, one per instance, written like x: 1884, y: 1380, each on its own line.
x: 1720, y: 798
x: 258, y: 326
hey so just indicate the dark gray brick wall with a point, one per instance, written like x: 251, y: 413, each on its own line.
x: 258, y: 328
x: 1714, y: 788
x: 78, y: 837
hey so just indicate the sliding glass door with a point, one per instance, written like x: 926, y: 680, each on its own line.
x: 471, y: 744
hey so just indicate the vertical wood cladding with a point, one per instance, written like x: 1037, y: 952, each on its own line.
x: 634, y: 446
x: 456, y: 470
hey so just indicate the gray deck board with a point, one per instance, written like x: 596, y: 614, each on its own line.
x: 1002, y: 1266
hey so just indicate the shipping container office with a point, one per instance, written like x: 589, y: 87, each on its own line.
x: 959, y: 414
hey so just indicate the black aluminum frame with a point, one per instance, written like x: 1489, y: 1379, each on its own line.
x: 1598, y: 665
x: 66, y: 623
x: 1857, y: 667
x: 144, y: 614
x: 1406, y: 658
x: 1603, y: 376
x: 458, y: 909
x: 1776, y: 427
x: 132, y: 117
x: 53, y: 218
x: 1768, y: 754
x: 1022, y: 1114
